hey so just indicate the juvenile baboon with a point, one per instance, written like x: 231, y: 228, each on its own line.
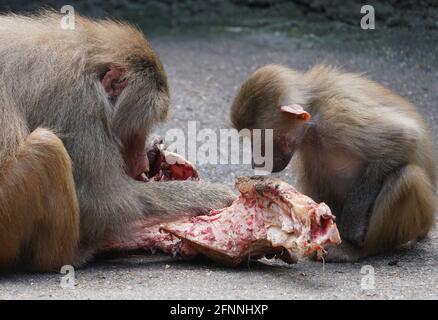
x: 366, y: 152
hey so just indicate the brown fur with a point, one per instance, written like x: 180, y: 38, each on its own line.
x: 366, y: 152
x: 39, y: 210
x: 408, y: 199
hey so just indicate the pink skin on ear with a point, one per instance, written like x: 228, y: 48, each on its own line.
x: 112, y: 80
x: 297, y: 111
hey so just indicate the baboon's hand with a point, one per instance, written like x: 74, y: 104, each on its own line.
x: 169, y: 198
x: 219, y: 196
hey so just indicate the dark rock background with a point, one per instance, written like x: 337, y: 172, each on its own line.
x: 174, y: 13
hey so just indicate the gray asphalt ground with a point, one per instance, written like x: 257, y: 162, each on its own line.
x: 205, y: 69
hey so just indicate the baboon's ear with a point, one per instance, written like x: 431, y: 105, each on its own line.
x: 113, y: 81
x: 296, y: 111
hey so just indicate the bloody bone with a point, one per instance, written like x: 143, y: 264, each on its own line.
x: 269, y: 218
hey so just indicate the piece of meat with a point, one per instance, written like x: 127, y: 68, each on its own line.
x: 269, y: 218
x: 149, y: 237
x: 166, y: 165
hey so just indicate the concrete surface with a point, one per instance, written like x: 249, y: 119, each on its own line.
x: 205, y: 68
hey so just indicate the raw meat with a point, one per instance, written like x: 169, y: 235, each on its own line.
x: 166, y: 165
x: 148, y: 236
x: 269, y: 218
